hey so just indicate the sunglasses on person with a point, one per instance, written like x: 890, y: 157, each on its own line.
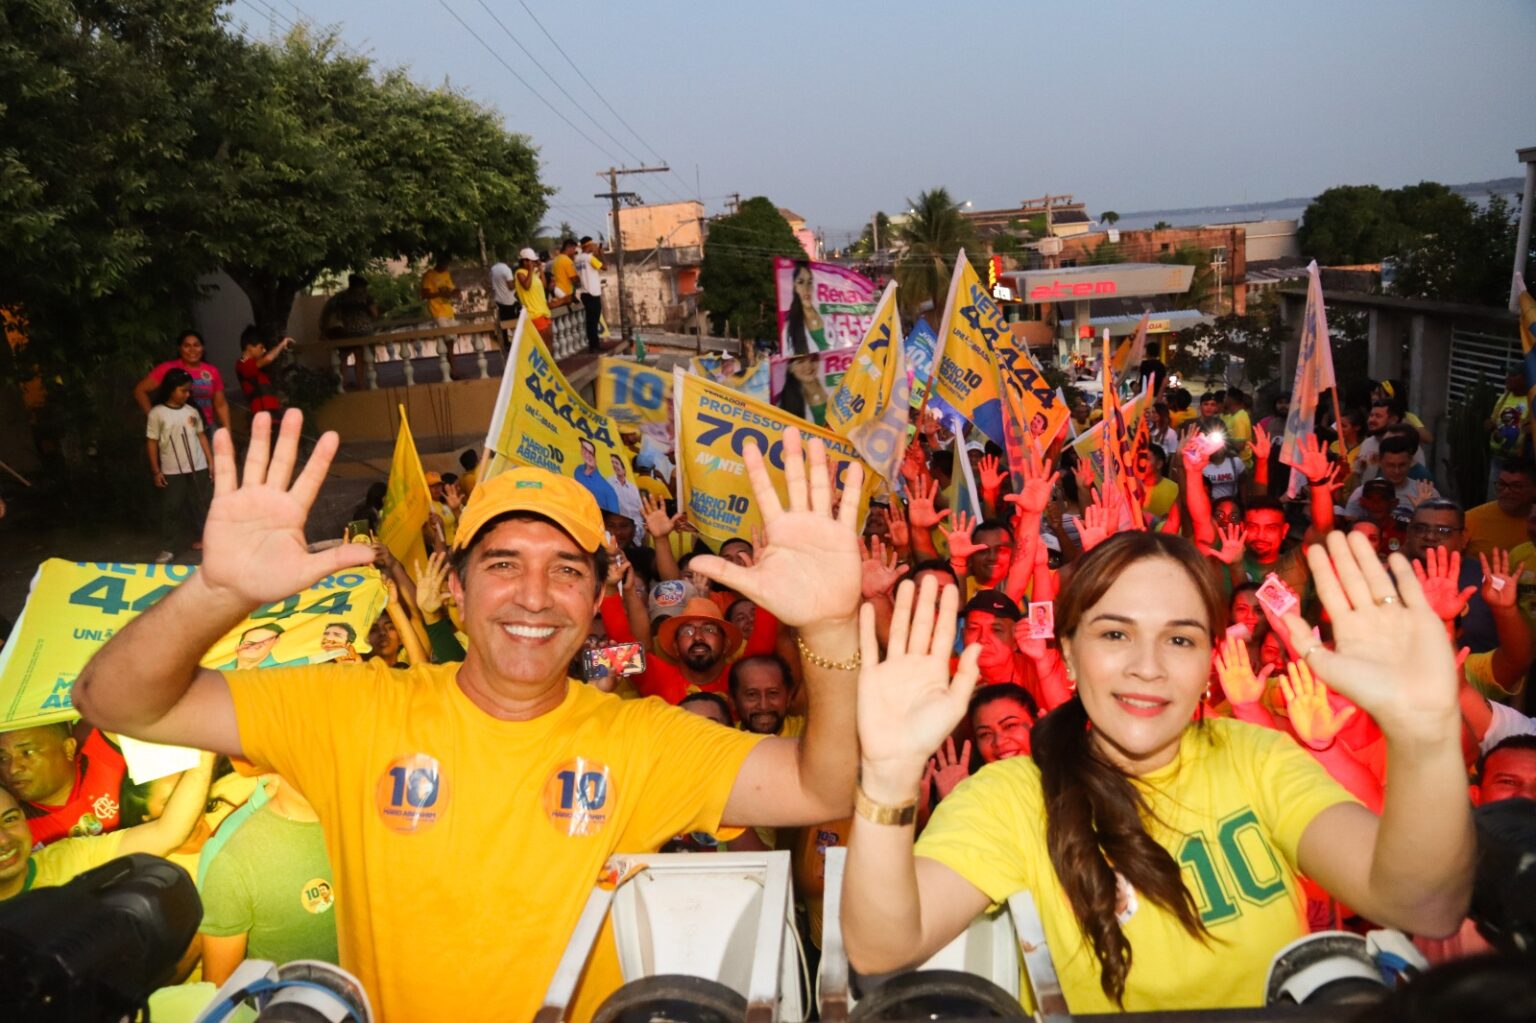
x: 1425, y: 529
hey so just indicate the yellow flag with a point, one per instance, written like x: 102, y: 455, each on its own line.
x: 75, y: 607
x: 870, y: 406
x: 965, y: 374
x: 407, y: 503
x: 541, y: 420
x: 714, y: 423
x: 630, y: 392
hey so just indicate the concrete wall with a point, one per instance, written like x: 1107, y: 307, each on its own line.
x: 678, y: 224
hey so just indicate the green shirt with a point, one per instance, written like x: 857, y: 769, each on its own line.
x: 1290, y: 566
x: 272, y: 882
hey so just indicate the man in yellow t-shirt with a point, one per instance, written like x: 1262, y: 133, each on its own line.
x: 438, y: 289
x: 562, y: 273
x: 1230, y: 810
x: 1501, y: 522
x: 22, y: 869
x: 469, y: 808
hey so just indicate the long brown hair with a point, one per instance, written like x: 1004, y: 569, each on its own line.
x: 1094, y: 814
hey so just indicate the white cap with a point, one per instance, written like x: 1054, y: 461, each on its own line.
x: 528, y: 254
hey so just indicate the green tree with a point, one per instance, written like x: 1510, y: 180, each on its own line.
x: 865, y: 246
x: 388, y: 168
x: 1109, y: 217
x: 1161, y: 225
x: 934, y: 234
x: 736, y: 275
x: 1202, y: 286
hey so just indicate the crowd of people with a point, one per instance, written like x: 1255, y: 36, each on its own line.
x: 1197, y: 711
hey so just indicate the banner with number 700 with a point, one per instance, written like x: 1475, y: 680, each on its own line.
x: 75, y: 607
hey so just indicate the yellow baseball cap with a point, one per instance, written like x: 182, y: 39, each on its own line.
x: 561, y: 499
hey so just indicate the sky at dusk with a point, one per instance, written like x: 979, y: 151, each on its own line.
x: 839, y: 109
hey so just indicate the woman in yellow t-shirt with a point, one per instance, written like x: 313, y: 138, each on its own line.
x: 1162, y: 852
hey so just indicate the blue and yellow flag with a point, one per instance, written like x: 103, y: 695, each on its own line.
x: 407, y: 502
x: 965, y: 374
x: 1528, y: 335
x: 870, y: 407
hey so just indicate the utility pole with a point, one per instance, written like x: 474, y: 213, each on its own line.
x: 613, y: 195
x: 734, y: 202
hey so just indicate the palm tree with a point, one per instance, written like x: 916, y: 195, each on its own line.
x: 1109, y: 217
x: 934, y: 232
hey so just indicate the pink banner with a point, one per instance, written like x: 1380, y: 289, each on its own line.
x: 821, y: 306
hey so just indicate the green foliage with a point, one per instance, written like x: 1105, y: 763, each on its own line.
x: 934, y: 234
x: 1109, y: 218
x: 1162, y: 225
x: 864, y: 247
x: 1444, y: 245
x: 1254, y: 340
x: 1202, y: 286
x: 1037, y: 226
x: 736, y: 275
x: 143, y: 144
x: 1350, y: 224
x: 398, y: 296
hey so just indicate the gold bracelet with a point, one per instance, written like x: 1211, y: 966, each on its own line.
x: 879, y: 813
x: 852, y: 664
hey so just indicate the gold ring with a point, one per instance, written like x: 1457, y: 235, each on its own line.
x: 1390, y: 598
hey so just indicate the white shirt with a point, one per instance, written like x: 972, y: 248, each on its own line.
x: 501, y: 285
x: 591, y: 280
x: 630, y: 504
x: 1405, y: 498
x: 1507, y: 721
x: 177, y: 430
x: 1221, y: 477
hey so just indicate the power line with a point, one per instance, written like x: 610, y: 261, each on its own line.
x: 513, y: 72
x: 527, y: 53
x: 601, y: 98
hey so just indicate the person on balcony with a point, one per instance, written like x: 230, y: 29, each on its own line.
x: 528, y: 282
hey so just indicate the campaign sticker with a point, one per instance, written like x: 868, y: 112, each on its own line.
x: 412, y: 793
x: 579, y: 797
x: 317, y: 896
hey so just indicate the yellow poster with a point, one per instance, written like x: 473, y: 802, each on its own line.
x: 541, y: 420
x: 74, y: 608
x: 407, y: 502
x: 1038, y: 408
x: 1090, y: 443
x: 870, y: 406
x: 714, y: 423
x: 631, y: 393
x: 965, y: 376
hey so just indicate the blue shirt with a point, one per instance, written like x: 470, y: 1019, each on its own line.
x: 600, y: 488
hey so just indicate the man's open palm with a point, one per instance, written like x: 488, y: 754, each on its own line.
x: 810, y: 571
x: 253, y: 544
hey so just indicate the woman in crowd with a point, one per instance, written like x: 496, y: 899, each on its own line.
x: 1124, y: 795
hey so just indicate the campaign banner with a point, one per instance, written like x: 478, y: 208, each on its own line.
x: 631, y: 393
x: 821, y: 306
x: 871, y: 406
x: 1090, y: 443
x: 1040, y: 409
x: 407, y: 503
x: 714, y: 423
x: 969, y: 331
x: 919, y: 355
x: 75, y: 607
x: 541, y: 420
x: 755, y: 380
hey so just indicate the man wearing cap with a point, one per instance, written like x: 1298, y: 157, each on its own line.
x: 697, y: 646
x: 468, y: 808
x: 528, y: 282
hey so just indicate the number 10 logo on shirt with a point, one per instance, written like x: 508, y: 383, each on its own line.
x: 412, y: 793
x: 579, y: 797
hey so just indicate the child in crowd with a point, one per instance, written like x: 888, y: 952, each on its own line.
x: 179, y: 457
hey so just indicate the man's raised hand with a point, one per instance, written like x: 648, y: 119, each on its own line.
x: 809, y: 573
x: 253, y: 545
